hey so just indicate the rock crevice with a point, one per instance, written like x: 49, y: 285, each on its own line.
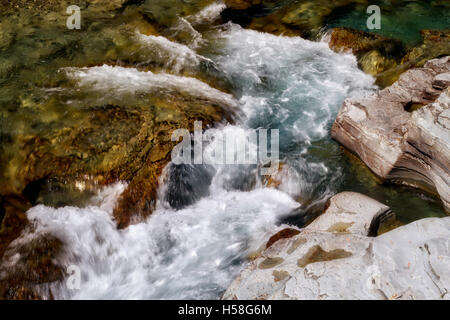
x: 411, y: 148
x: 322, y: 262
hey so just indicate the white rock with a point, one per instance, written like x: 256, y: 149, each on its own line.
x: 411, y: 262
x: 349, y: 212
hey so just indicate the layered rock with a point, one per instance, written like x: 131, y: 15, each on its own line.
x: 351, y: 212
x: 397, y: 143
x: 335, y: 259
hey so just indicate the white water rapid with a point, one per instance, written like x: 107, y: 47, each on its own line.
x: 291, y: 84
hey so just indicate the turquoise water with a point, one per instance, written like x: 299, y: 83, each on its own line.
x: 287, y: 84
x: 403, y: 22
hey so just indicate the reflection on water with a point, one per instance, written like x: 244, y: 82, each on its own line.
x: 173, y: 54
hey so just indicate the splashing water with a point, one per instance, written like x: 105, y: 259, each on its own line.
x: 192, y: 253
x: 124, y: 81
x: 283, y: 83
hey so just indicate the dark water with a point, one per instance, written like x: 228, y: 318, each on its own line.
x: 404, y: 21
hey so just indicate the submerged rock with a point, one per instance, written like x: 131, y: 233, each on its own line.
x: 397, y: 143
x: 99, y: 137
x: 294, y: 18
x: 386, y: 58
x: 322, y: 262
x: 67, y: 127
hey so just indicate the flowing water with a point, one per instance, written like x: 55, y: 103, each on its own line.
x: 209, y: 218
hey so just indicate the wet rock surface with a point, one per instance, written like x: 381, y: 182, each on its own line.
x: 26, y: 271
x: 62, y: 138
x: 58, y: 133
x: 397, y: 143
x: 387, y: 58
x: 351, y: 212
x: 321, y: 263
x: 83, y: 109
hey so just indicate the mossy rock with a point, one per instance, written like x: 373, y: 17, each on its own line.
x: 101, y: 143
x: 386, y: 58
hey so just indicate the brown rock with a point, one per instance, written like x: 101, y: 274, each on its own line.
x: 283, y: 234
x: 13, y: 220
x: 385, y: 58
x: 241, y: 4
x: 20, y: 277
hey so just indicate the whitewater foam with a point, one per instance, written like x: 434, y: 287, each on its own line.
x: 288, y: 82
x: 175, y: 56
x: 116, y: 80
x: 283, y: 83
x: 207, y: 15
x: 191, y: 253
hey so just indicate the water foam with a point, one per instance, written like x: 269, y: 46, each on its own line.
x: 192, y: 253
x: 117, y: 80
x: 289, y: 82
x: 286, y: 83
x: 207, y: 15
x: 174, y: 55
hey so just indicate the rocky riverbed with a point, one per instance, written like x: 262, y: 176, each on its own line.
x: 87, y: 116
x: 333, y: 258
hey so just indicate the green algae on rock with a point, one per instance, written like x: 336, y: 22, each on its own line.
x: 385, y: 58
x: 58, y: 132
x: 85, y: 137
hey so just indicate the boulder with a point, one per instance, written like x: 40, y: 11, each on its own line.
x: 351, y: 212
x: 387, y: 58
x: 375, y: 54
x: 410, y: 262
x: 396, y: 142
